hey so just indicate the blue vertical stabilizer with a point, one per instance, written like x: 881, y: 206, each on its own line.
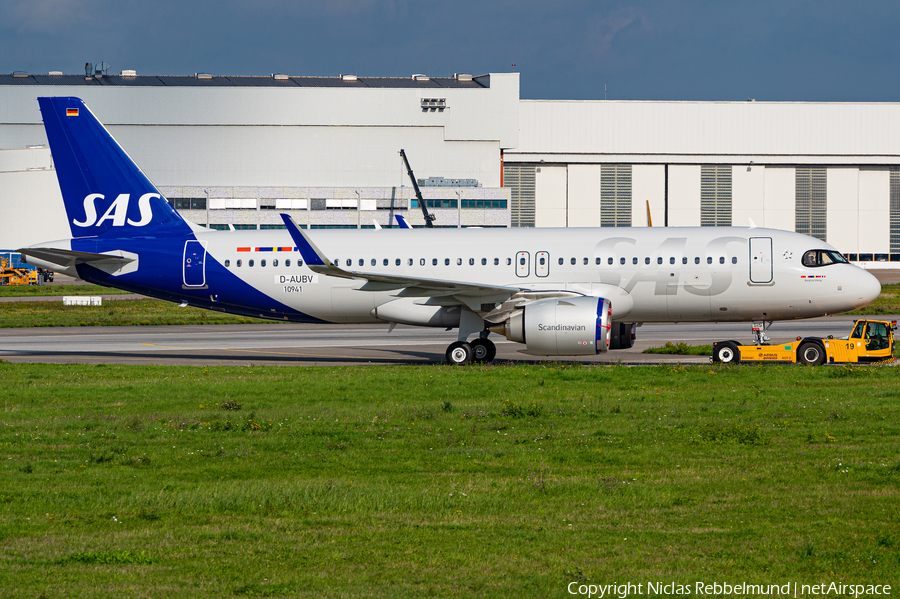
x: 104, y: 191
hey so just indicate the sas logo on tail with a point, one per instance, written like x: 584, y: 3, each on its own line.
x: 117, y: 211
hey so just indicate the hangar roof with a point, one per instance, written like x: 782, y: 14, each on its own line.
x: 417, y: 81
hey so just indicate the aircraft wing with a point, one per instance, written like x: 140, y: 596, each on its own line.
x: 69, y: 258
x: 471, y: 294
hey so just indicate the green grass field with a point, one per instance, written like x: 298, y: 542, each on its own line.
x: 506, y: 481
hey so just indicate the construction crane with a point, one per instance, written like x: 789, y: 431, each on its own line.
x: 429, y: 218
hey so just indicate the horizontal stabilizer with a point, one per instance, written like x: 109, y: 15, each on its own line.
x: 70, y: 258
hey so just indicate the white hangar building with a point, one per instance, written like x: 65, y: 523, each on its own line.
x: 239, y: 150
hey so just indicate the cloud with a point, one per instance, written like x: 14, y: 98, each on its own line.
x: 602, y: 30
x: 47, y: 16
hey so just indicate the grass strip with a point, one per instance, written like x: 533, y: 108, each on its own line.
x: 56, y: 290
x: 119, y: 313
x: 500, y: 481
x: 680, y: 349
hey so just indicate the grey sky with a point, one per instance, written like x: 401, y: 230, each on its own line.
x: 823, y: 50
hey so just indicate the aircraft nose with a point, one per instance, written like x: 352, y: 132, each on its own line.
x: 867, y: 288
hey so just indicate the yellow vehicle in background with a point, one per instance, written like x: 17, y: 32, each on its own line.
x: 16, y: 276
x: 870, y: 341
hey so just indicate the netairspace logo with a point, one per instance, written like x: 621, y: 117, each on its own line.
x: 724, y: 589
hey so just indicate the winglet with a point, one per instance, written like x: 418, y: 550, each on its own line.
x: 311, y: 254
x: 402, y: 222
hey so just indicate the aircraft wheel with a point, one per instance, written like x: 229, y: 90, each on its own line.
x: 483, y: 350
x: 811, y: 353
x: 727, y: 353
x: 459, y: 353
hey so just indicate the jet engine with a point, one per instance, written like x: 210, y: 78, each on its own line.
x: 571, y: 326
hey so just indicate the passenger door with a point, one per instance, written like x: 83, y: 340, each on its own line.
x: 194, y: 264
x: 760, y: 259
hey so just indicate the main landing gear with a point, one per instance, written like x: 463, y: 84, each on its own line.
x: 480, y: 350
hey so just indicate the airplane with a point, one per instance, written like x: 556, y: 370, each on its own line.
x: 559, y: 292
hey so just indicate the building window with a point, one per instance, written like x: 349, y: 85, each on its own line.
x: 895, y: 209
x: 188, y: 203
x: 483, y: 204
x: 519, y: 179
x: 715, y: 196
x: 811, y: 205
x: 615, y: 195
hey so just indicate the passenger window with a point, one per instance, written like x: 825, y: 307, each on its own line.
x: 597, y: 261
x: 471, y: 261
x: 561, y: 261
x: 734, y: 259
x: 509, y: 261
x: 543, y: 261
x: 410, y: 261
x: 522, y: 261
x: 572, y: 261
x: 349, y: 262
x: 287, y: 262
x: 659, y: 260
x: 446, y: 261
x: 374, y: 262
x: 647, y: 260
x: 585, y: 261
x: 299, y: 262
x: 397, y: 262
x: 385, y: 261
x: 459, y: 261
x: 421, y: 261
x: 696, y: 259
x: 484, y: 261
x: 634, y: 260
x: 684, y: 259
x: 239, y: 262
x: 709, y: 259
x: 227, y: 263
x: 721, y: 259
x: 434, y: 261
x: 672, y: 260
x: 609, y: 260
x: 250, y: 263
x: 622, y: 260
x: 262, y: 262
x: 361, y: 262
x: 496, y: 261
x: 275, y: 262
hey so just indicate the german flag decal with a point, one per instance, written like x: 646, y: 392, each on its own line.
x: 71, y: 112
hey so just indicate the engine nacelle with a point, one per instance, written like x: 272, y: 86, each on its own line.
x: 622, y: 335
x: 571, y: 326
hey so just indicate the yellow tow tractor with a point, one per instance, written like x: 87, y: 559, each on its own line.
x: 871, y: 341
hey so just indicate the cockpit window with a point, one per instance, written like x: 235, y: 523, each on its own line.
x: 814, y: 258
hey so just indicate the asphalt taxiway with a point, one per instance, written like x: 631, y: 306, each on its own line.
x: 299, y: 344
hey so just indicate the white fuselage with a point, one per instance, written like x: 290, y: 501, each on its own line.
x: 668, y: 274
